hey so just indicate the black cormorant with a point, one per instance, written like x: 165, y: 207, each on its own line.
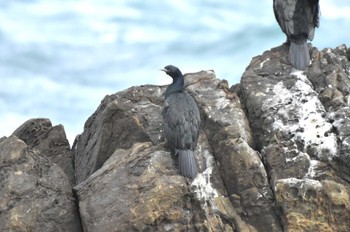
x: 297, y: 19
x: 181, y: 122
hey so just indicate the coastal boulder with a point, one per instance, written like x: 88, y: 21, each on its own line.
x: 51, y: 141
x: 301, y: 128
x: 129, y: 181
x: 273, y: 155
x: 35, y: 193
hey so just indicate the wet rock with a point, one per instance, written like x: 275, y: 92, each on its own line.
x: 35, y: 194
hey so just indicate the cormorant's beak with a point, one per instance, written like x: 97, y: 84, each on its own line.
x: 163, y: 69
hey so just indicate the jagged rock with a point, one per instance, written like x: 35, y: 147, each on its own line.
x: 35, y: 194
x: 137, y: 185
x: 273, y: 155
x: 301, y: 129
x: 132, y: 115
x: 50, y: 140
x: 231, y: 139
x: 134, y: 189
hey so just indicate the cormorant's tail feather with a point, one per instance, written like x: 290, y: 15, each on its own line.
x: 187, y: 163
x: 299, y: 55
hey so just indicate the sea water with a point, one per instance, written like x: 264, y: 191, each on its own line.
x: 58, y: 59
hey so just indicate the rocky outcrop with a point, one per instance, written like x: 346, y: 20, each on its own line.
x: 122, y: 119
x: 301, y: 129
x: 51, y: 141
x: 138, y: 186
x: 35, y: 193
x: 273, y: 155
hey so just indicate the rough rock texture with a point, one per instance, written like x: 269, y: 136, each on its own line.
x: 35, y: 194
x: 50, y: 140
x: 139, y: 188
x: 300, y: 124
x: 273, y: 155
x: 132, y: 115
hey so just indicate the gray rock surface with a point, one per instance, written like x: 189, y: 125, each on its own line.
x: 118, y: 123
x: 273, y: 155
x: 51, y: 141
x: 35, y: 194
x: 139, y: 188
x: 299, y: 121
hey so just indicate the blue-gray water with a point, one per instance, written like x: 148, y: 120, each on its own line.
x: 58, y: 59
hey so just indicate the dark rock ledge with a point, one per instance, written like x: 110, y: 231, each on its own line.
x: 273, y: 154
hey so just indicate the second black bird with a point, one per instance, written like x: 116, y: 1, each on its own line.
x: 297, y: 19
x: 181, y: 122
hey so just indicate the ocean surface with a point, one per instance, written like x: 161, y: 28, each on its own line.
x: 58, y: 59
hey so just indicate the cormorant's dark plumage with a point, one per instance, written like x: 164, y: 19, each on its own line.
x: 181, y: 122
x: 297, y: 19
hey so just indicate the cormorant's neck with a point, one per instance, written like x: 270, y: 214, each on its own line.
x: 176, y: 86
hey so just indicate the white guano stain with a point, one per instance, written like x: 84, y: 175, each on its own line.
x: 203, y: 188
x: 299, y: 112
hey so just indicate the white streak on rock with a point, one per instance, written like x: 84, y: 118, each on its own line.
x: 312, y: 169
x: 202, y: 185
x: 262, y: 63
x: 303, y: 185
x: 299, y: 112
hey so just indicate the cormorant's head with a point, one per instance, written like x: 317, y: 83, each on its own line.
x: 172, y: 71
x: 178, y: 80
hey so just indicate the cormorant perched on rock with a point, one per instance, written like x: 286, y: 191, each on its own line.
x: 297, y: 19
x: 181, y: 122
